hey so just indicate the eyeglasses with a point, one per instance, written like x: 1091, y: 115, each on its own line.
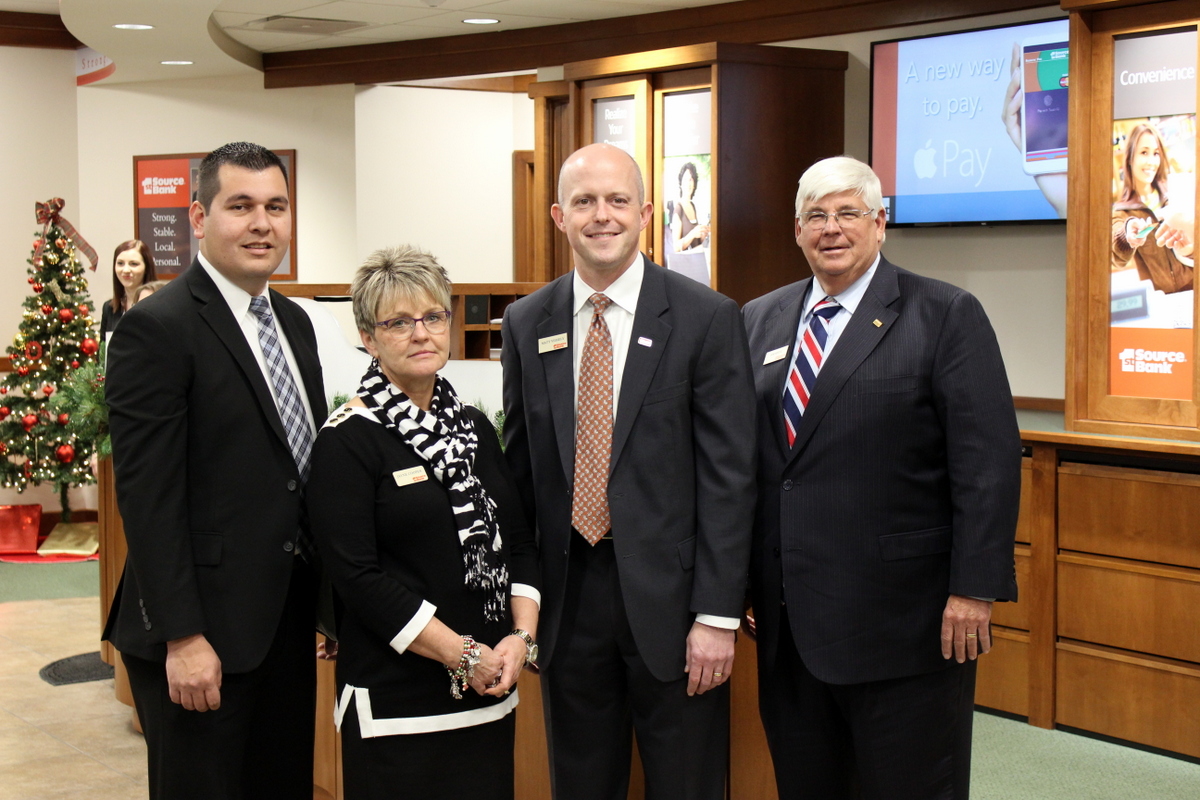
x: 817, y: 220
x: 403, y: 327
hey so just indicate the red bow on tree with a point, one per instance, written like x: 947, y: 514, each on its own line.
x: 47, y: 215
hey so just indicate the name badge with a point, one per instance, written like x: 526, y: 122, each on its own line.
x: 644, y: 342
x: 552, y: 343
x: 406, y: 477
x: 774, y: 355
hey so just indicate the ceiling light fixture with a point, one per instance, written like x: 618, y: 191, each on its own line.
x: 481, y: 21
x: 177, y: 63
x: 133, y: 26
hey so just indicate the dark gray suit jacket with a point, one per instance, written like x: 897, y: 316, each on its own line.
x: 903, y: 484
x: 206, y: 483
x: 681, y: 485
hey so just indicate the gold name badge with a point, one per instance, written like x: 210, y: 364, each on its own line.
x: 549, y: 343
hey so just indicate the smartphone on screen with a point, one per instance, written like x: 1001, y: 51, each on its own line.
x: 1044, y: 81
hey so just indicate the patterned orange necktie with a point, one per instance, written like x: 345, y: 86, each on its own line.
x: 593, y: 428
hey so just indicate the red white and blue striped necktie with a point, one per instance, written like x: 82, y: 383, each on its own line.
x: 810, y: 355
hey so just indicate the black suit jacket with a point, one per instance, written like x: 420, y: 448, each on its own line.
x: 681, y: 488
x: 206, y: 483
x: 903, y: 484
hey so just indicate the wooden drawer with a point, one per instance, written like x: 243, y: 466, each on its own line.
x: 1132, y: 605
x: 1024, y: 520
x: 1003, y: 680
x: 1016, y: 615
x: 1147, y: 515
x: 1151, y: 701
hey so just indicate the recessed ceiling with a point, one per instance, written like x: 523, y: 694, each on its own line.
x: 227, y: 37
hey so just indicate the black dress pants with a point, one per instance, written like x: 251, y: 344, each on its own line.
x: 902, y: 739
x: 597, y: 691
x: 259, y: 743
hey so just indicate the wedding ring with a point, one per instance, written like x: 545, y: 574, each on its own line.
x: 718, y: 674
x: 972, y: 635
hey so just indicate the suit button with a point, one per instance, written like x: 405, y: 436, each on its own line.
x: 148, y: 626
x: 291, y: 486
x: 787, y: 485
x: 141, y: 602
x: 289, y: 546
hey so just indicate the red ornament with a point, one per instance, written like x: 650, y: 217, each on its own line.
x: 37, y: 243
x: 27, y: 468
x: 63, y: 419
x: 30, y: 280
x: 47, y: 390
x: 47, y: 310
x: 66, y: 315
x: 37, y: 287
x: 28, y: 421
x: 22, y: 370
x: 60, y: 243
x: 83, y: 311
x: 89, y: 347
x: 65, y: 453
x: 33, y: 350
x: 74, y: 365
x: 4, y: 412
x: 3, y: 390
x: 3, y: 448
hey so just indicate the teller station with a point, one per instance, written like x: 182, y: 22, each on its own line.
x: 1105, y: 638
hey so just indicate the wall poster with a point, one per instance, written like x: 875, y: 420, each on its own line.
x: 614, y: 121
x: 163, y: 190
x: 686, y: 182
x: 1152, y: 260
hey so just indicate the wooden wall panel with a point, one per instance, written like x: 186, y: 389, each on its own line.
x: 1130, y: 604
x: 1147, y: 515
x: 1003, y: 680
x: 1024, y: 520
x: 751, y: 773
x: 1152, y: 701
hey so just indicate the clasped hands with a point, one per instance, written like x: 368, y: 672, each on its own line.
x: 498, y: 667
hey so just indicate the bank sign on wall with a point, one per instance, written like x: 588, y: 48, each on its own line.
x: 1151, y: 343
x: 164, y: 189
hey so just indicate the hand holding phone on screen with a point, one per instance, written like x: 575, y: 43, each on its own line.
x: 1044, y: 79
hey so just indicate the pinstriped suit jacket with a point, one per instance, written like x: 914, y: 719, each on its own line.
x: 902, y: 486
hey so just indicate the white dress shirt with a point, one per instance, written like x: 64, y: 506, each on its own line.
x: 848, y: 300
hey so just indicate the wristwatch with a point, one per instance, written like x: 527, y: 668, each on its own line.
x: 531, y: 648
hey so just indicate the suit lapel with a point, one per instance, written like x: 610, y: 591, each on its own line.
x: 641, y: 360
x: 779, y: 330
x: 292, y: 319
x: 866, y: 329
x: 215, y: 312
x: 559, y: 367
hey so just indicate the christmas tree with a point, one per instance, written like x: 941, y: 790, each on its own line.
x: 56, y: 336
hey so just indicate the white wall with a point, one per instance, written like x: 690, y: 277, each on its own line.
x: 1017, y: 272
x: 435, y: 170
x: 195, y: 116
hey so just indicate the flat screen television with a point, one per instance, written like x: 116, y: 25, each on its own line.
x: 961, y: 137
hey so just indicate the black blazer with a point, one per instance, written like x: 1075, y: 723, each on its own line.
x: 681, y: 483
x: 903, y: 484
x: 206, y: 483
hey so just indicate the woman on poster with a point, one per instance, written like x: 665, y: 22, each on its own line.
x: 686, y: 231
x: 1146, y: 233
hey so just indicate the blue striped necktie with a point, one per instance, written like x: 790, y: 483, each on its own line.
x: 809, y: 357
x: 287, y: 399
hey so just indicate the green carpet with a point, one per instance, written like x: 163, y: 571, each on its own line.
x: 49, y: 581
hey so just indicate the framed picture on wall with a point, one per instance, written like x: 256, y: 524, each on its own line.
x: 163, y: 190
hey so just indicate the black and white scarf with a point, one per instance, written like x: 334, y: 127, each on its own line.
x: 446, y: 440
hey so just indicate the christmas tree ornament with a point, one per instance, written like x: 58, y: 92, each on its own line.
x: 89, y: 347
x: 64, y: 418
x: 66, y: 315
x: 47, y: 390
x: 74, y: 365
x: 47, y: 310
x: 28, y: 421
x: 22, y: 370
x: 84, y: 311
x: 37, y: 287
x: 65, y: 453
x: 33, y: 351
x: 4, y: 412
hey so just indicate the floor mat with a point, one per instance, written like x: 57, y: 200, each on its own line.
x: 76, y: 669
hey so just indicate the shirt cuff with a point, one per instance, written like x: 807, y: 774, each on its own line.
x: 728, y: 623
x: 412, y: 630
x: 525, y: 590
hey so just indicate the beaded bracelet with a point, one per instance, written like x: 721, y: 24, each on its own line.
x: 460, y: 676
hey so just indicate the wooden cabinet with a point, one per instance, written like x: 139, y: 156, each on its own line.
x: 478, y: 310
x: 748, y: 119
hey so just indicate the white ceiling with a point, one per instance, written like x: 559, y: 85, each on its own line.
x: 226, y: 37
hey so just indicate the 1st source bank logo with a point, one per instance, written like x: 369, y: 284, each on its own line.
x: 1159, y: 361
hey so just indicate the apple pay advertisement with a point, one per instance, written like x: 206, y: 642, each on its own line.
x: 972, y: 127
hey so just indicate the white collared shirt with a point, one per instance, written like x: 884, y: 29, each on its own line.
x: 238, y: 300
x: 848, y: 300
x: 624, y: 293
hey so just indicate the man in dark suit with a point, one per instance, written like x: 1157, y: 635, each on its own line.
x: 629, y: 429
x: 213, y: 388
x: 889, y: 475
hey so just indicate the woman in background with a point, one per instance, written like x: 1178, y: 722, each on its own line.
x: 422, y: 532
x: 132, y: 266
x: 1140, y: 232
x: 147, y: 289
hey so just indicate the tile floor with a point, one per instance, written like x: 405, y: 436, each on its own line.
x: 61, y: 742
